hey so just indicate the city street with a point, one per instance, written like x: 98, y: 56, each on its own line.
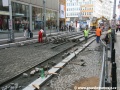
x: 59, y: 44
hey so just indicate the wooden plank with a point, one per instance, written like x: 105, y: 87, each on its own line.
x: 36, y: 86
x: 58, y: 67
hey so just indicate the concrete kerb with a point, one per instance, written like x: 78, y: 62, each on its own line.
x: 23, y: 42
x: 20, y: 42
x: 18, y: 39
x: 40, y: 81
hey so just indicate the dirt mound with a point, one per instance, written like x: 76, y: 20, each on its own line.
x: 87, y: 82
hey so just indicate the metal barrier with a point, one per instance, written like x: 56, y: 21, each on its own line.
x: 5, y: 32
x: 104, y: 69
x: 113, y: 63
x: 10, y: 35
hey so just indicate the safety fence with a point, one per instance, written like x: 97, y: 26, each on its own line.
x: 104, y: 69
x: 9, y: 34
x: 105, y: 80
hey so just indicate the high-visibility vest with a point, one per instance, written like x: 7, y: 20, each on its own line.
x: 109, y: 33
x: 98, y: 32
x: 86, y: 32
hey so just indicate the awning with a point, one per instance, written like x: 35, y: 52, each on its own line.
x: 4, y: 13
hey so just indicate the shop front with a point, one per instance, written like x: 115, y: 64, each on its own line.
x: 20, y: 16
x: 51, y: 19
x: 4, y: 17
x: 37, y: 22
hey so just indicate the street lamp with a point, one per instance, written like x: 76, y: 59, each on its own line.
x: 10, y: 23
x: 114, y: 15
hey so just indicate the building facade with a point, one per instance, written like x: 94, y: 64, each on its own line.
x: 102, y: 8
x: 86, y: 9
x: 118, y: 13
x: 72, y: 10
x: 30, y: 13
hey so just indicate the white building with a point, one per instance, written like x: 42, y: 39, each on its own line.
x: 72, y: 12
x: 72, y: 8
x: 100, y: 8
x: 103, y: 8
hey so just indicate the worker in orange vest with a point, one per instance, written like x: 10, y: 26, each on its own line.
x: 98, y: 34
x: 40, y: 35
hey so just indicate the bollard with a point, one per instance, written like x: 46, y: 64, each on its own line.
x: 113, y: 56
x: 112, y: 50
x: 112, y: 60
x: 114, y: 76
x: 112, y: 44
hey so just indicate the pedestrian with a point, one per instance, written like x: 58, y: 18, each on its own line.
x: 40, y: 35
x: 98, y: 34
x: 117, y: 28
x: 25, y: 32
x: 1, y: 24
x: 86, y: 33
x: 69, y: 28
x: 106, y: 39
x: 109, y: 32
x: 29, y: 31
x: 30, y: 34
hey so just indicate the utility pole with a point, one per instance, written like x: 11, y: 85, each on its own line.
x: 114, y: 14
x: 10, y: 23
x: 44, y: 16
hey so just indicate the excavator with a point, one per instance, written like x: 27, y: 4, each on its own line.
x: 95, y: 22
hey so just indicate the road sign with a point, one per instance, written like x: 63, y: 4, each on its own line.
x: 10, y: 24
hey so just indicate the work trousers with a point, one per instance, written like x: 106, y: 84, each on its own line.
x: 40, y: 38
x: 97, y: 39
x: 86, y: 38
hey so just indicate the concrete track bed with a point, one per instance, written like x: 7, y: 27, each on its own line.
x: 14, y: 61
x: 73, y: 73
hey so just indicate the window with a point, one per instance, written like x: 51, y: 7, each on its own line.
x: 67, y: 4
x: 3, y: 8
x: 67, y: 9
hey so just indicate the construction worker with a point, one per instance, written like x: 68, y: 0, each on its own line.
x: 109, y: 30
x: 109, y: 36
x: 98, y: 34
x: 40, y: 35
x: 86, y: 33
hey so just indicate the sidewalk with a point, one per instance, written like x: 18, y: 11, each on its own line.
x: 21, y: 34
x: 117, y: 48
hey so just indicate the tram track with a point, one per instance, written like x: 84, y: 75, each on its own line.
x: 19, y: 76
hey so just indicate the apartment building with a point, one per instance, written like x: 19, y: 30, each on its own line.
x: 72, y: 9
x: 102, y: 8
x: 86, y: 9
